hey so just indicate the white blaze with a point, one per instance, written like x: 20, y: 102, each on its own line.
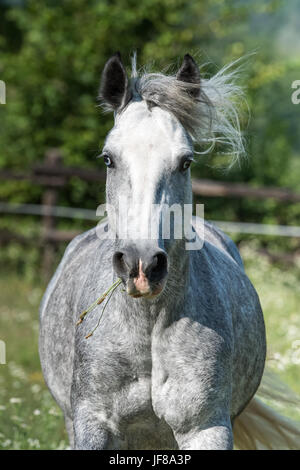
x: 149, y: 143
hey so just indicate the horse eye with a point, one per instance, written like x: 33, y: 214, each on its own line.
x: 186, y: 164
x: 108, y: 161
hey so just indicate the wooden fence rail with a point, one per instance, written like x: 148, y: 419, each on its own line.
x: 58, y: 176
x: 53, y: 175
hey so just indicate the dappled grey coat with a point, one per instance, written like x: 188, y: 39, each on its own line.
x: 175, y: 366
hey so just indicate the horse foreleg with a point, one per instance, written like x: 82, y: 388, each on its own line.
x: 91, y: 432
x: 216, y: 437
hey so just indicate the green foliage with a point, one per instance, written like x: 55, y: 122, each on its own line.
x: 51, y: 57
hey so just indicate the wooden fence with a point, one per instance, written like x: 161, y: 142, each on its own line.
x: 53, y: 175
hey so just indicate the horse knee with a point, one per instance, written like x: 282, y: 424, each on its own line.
x: 217, y: 437
x: 70, y: 430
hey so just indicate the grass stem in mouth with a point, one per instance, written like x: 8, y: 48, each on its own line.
x: 98, y: 301
x: 110, y: 292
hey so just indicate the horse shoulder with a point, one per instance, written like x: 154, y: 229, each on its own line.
x: 60, y: 280
x: 58, y: 315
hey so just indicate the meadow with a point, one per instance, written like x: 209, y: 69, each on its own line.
x: 29, y: 417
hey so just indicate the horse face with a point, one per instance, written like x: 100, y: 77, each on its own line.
x: 148, y: 154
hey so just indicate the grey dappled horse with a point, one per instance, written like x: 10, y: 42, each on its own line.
x: 180, y: 350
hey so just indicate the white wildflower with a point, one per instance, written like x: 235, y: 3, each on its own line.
x: 34, y: 443
x: 295, y: 355
x: 24, y: 426
x: 16, y: 418
x: 15, y: 400
x: 36, y: 388
x: 54, y: 412
x: 16, y: 371
x: 6, y: 443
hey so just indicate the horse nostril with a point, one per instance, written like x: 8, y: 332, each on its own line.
x: 119, y: 263
x: 125, y: 265
x: 130, y: 265
x: 158, y: 268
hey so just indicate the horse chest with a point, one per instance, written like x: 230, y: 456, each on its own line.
x: 126, y: 376
x: 138, y: 422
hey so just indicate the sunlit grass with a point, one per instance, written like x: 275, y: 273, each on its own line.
x: 279, y: 290
x: 29, y: 417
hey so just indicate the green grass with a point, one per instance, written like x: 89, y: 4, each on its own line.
x: 278, y: 288
x: 29, y: 417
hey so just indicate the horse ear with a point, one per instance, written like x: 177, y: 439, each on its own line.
x: 114, y: 87
x: 189, y: 72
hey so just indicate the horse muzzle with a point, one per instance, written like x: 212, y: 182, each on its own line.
x: 144, y: 273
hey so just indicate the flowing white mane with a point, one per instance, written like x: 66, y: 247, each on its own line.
x: 213, y: 119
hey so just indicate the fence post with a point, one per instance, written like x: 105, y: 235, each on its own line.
x: 53, y: 158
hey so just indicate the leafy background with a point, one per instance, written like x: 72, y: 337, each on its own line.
x: 51, y: 57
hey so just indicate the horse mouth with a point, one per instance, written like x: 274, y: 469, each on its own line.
x: 148, y: 293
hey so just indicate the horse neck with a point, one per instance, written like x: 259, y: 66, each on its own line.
x: 179, y: 260
x: 171, y: 303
